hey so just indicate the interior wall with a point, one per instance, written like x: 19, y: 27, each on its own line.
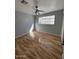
x: 23, y: 23
x: 53, y: 29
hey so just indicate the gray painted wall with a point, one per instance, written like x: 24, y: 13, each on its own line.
x: 23, y: 23
x: 53, y: 29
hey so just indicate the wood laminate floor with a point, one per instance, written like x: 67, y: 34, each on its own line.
x: 38, y: 45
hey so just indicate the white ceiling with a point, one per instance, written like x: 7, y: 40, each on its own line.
x: 46, y: 5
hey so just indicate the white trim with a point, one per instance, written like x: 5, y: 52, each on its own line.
x: 20, y: 35
x: 62, y: 31
x: 38, y: 31
x: 50, y: 33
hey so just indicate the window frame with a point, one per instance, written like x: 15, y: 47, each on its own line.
x: 44, y: 20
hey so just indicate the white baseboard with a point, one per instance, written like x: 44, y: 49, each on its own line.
x: 20, y: 35
x: 50, y: 33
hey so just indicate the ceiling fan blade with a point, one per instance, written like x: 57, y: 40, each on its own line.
x: 41, y: 11
x: 38, y: 13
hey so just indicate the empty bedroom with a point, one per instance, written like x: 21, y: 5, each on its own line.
x: 39, y: 29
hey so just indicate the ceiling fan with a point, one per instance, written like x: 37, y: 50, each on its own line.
x: 37, y: 10
x: 35, y: 6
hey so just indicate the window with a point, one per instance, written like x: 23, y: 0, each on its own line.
x: 47, y: 20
